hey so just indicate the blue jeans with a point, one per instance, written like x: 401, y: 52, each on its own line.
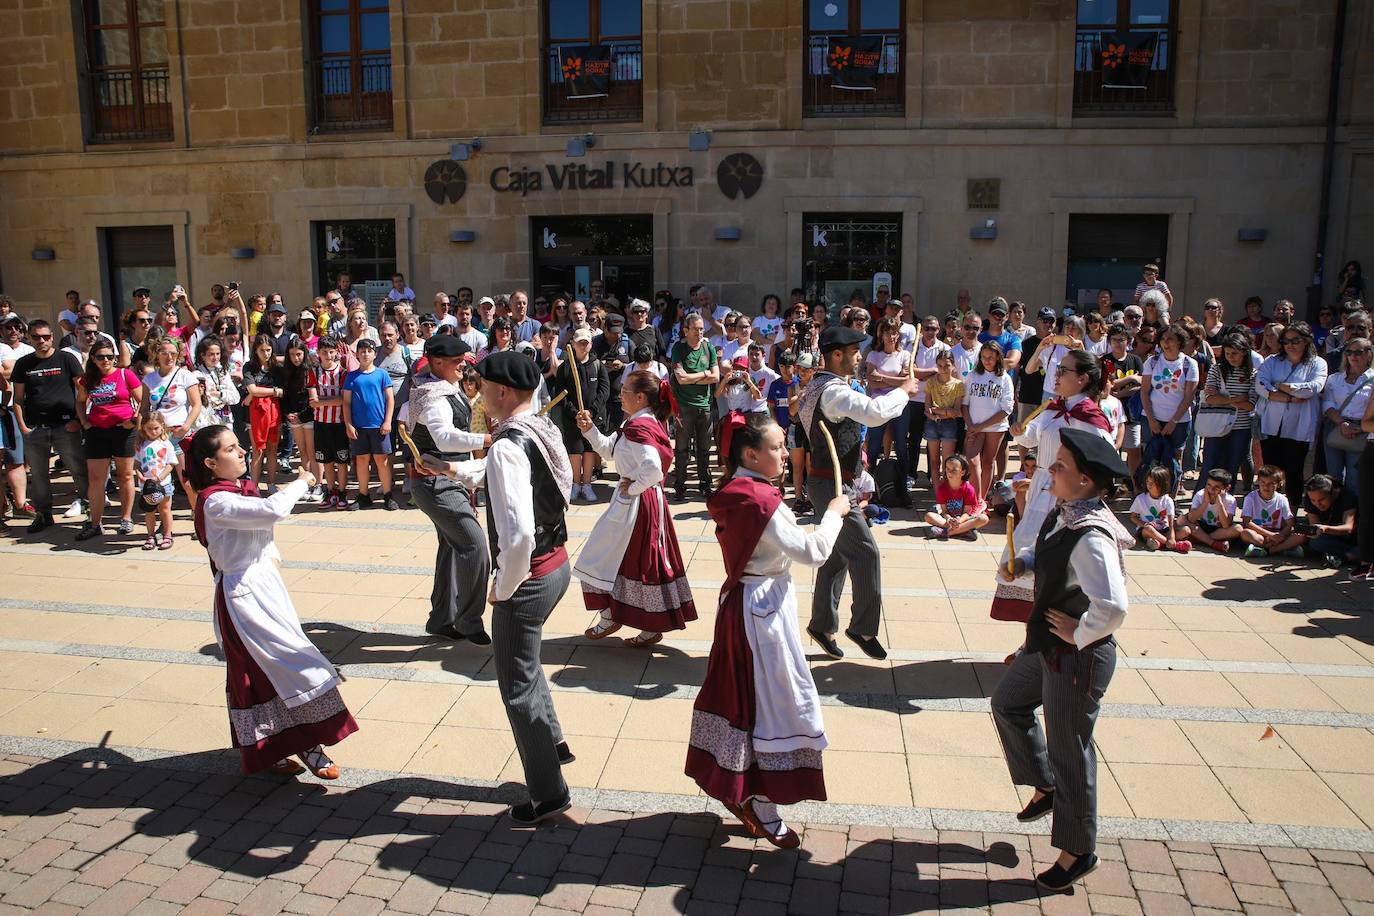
x: 899, y: 445
x: 1177, y: 439
x: 1228, y: 452
x: 1344, y: 467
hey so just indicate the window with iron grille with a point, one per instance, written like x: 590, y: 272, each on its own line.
x: 593, y: 61
x: 853, y: 63
x: 351, y: 68
x: 127, y: 77
x: 1125, y: 57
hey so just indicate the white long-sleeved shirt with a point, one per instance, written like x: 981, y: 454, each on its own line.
x: 239, y: 528
x: 784, y: 541
x: 1096, y: 563
x: 986, y: 395
x: 438, y: 419
x: 1292, y: 419
x: 840, y: 402
x: 506, y: 472
x: 634, y: 461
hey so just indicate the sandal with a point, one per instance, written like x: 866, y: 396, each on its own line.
x: 286, y: 767
x: 602, y: 629
x: 643, y: 642
x: 151, y: 543
x: 319, y: 763
x: 166, y: 543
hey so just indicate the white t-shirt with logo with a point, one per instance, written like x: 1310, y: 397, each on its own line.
x: 1210, y: 517
x: 986, y: 394
x: 1167, y: 380
x: 1269, y: 514
x: 1158, y: 513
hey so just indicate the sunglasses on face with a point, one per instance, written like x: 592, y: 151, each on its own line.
x: 103, y: 356
x: 1212, y: 308
x: 35, y: 336
x: 1358, y: 352
x: 1293, y: 341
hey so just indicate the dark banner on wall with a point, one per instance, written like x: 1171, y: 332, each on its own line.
x: 853, y: 61
x: 1126, y: 59
x: 586, y: 70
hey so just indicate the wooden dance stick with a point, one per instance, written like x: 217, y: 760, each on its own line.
x: 433, y: 465
x: 1011, y: 547
x: 834, y: 457
x: 1033, y: 414
x: 554, y: 403
x: 410, y: 443
x: 577, y: 382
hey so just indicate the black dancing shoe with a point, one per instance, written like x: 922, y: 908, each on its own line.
x: 827, y: 643
x: 527, y: 815
x: 1058, y: 878
x: 565, y: 754
x: 446, y: 632
x: 480, y: 638
x: 1037, y: 809
x: 869, y: 644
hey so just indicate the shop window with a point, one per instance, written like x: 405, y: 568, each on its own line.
x: 351, y: 66
x: 127, y: 78
x: 844, y: 252
x: 593, y: 61
x: 137, y: 256
x: 853, y: 62
x: 365, y: 249
x: 1124, y: 56
x: 573, y: 253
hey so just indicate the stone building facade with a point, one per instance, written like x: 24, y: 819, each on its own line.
x: 988, y: 155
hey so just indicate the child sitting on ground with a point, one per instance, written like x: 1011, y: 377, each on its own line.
x: 1266, y: 518
x: 1211, y: 519
x: 958, y: 512
x: 1153, y: 513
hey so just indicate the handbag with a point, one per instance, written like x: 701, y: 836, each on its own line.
x: 1334, y: 439
x: 1214, y: 422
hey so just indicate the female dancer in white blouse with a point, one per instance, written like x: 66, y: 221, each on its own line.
x: 283, y: 694
x: 639, y: 580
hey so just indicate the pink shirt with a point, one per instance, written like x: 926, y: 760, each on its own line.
x: 963, y: 501
x: 108, y: 403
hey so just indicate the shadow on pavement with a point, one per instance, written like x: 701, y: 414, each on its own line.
x: 455, y: 837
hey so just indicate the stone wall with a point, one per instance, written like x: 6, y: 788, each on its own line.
x: 39, y: 102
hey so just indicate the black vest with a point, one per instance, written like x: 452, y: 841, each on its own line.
x: 550, y: 527
x: 462, y: 419
x: 1056, y: 585
x: 848, y: 436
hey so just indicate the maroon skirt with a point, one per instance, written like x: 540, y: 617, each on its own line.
x: 651, y: 591
x: 263, y: 728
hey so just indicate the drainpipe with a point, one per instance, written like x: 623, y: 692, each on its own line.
x: 1314, y: 292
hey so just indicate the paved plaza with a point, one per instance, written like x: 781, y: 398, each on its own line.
x: 1236, y: 757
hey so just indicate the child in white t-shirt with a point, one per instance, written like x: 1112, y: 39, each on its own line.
x: 1153, y: 513
x: 154, y: 458
x: 1211, y: 518
x: 1266, y: 517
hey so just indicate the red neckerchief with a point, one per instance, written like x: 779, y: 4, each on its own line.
x: 1085, y: 411
x: 741, y: 510
x: 648, y: 431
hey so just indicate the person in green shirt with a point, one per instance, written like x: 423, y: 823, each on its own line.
x: 693, y: 362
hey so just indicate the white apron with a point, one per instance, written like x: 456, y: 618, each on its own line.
x: 787, y: 708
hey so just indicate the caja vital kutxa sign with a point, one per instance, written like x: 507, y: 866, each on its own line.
x: 572, y: 177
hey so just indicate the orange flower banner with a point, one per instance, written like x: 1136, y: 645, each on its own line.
x: 1125, y: 59
x: 853, y: 61
x: 586, y: 70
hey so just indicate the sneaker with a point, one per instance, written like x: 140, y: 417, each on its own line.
x: 967, y: 536
x: 1331, y: 561
x: 328, y: 501
x: 1182, y: 546
x: 389, y: 503
x: 77, y: 509
x: 1360, y: 573
x: 126, y: 526
x: 527, y: 815
x: 25, y: 511
x: 364, y: 501
x: 940, y: 534
x: 1252, y: 551
x: 43, y: 520
x: 1151, y: 545
x: 346, y: 506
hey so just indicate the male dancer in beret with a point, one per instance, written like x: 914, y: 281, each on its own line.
x: 438, y: 416
x: 830, y: 399
x: 529, y: 481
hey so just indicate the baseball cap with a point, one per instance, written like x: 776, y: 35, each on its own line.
x: 67, y: 315
x: 1046, y: 314
x: 276, y: 308
x: 142, y: 291
x: 997, y: 306
x: 583, y: 334
x: 615, y: 321
x: 486, y: 300
x: 807, y: 359
x: 429, y: 319
x: 639, y: 305
x: 740, y: 362
x: 525, y: 346
x: 306, y: 313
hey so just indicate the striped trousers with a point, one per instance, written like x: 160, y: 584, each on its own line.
x: 517, y: 626
x: 1061, y: 755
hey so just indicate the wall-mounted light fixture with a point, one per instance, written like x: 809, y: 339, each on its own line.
x: 243, y: 254
x: 986, y: 232
x: 1252, y: 235
x: 578, y: 146
x: 728, y: 233
x: 43, y: 254
x: 462, y: 151
x: 462, y: 236
x: 699, y: 141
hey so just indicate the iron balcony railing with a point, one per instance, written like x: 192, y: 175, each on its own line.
x: 131, y: 105
x: 624, y: 99
x: 352, y: 93
x: 821, y: 97
x: 1091, y: 97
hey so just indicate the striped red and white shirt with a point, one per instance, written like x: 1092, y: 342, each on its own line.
x: 328, y: 384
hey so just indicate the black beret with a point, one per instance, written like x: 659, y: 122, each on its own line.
x: 1094, y: 455
x: 514, y: 370
x: 839, y: 337
x: 446, y: 345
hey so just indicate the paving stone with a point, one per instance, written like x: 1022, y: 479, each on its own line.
x: 466, y: 904
x: 150, y: 907
x: 119, y: 899
x: 109, y: 869
x: 615, y: 897
x: 1147, y: 856
x: 1304, y: 874
x: 335, y: 879
x: 1313, y: 900
x: 1160, y: 884
x: 1118, y: 906
x: 814, y: 898
x: 1157, y: 904
x: 358, y: 905
x: 187, y: 884
x: 1245, y: 867
x: 269, y: 897
x: 416, y: 895
x: 1261, y: 894
x: 40, y: 886
x: 38, y: 856
x: 80, y: 895
x: 310, y: 904
x: 381, y: 888
x: 1289, y: 854
x: 229, y: 891
x: 1209, y: 889
x: 1350, y: 882
x: 568, y: 891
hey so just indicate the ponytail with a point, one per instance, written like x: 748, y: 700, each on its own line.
x: 657, y: 393
x: 750, y: 435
